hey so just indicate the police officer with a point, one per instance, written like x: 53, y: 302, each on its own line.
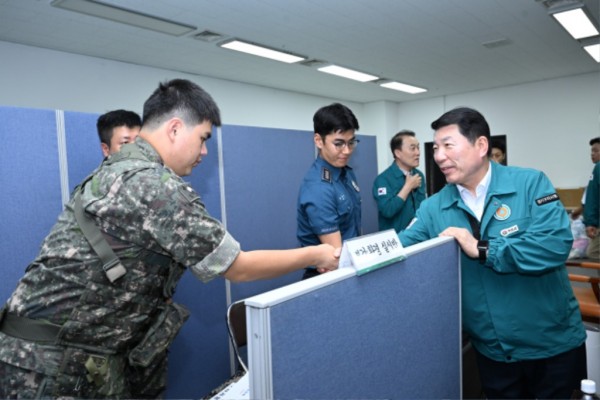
x: 517, y: 303
x: 329, y: 204
x: 96, y: 302
x: 400, y: 189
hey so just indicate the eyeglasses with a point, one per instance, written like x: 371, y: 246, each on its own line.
x: 340, y: 144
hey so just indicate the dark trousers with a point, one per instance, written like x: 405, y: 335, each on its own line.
x: 547, y: 378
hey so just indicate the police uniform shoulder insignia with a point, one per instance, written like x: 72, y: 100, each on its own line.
x: 546, y: 199
x: 325, y: 175
x: 355, y: 186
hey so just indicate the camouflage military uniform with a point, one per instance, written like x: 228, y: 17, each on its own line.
x: 156, y: 224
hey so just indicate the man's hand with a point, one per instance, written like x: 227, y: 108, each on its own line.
x: 329, y: 258
x: 591, y: 231
x: 466, y: 240
x: 413, y: 181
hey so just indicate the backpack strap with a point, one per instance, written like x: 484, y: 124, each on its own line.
x: 111, y: 264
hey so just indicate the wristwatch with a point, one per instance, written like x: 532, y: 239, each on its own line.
x: 482, y: 247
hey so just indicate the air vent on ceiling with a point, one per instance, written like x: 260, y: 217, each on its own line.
x: 313, y: 63
x: 208, y: 36
x: 491, y: 44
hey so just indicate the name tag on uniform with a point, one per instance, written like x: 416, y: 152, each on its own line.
x: 370, y: 252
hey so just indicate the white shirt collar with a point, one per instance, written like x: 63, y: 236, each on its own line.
x: 476, y: 203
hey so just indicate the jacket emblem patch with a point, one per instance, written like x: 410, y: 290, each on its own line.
x: 508, y: 231
x: 502, y: 213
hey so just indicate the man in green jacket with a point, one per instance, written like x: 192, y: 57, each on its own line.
x: 517, y: 303
x: 400, y: 189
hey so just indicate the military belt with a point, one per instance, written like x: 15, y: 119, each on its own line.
x: 29, y: 329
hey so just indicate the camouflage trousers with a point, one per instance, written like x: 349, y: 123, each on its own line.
x: 20, y: 383
x: 30, y: 370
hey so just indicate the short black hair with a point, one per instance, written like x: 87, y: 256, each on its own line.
x: 113, y: 119
x: 594, y: 141
x: 332, y: 118
x: 471, y: 124
x: 181, y: 98
x: 396, y: 142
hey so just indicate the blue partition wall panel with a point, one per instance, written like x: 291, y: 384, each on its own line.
x: 392, y: 333
x: 84, y: 153
x: 364, y: 164
x: 264, y: 168
x: 199, y: 356
x: 31, y: 194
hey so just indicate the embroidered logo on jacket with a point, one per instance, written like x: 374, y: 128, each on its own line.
x: 382, y: 191
x: 547, y: 199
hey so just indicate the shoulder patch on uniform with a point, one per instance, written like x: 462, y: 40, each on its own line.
x: 547, y: 199
x: 325, y: 175
x: 188, y: 193
x: 382, y: 191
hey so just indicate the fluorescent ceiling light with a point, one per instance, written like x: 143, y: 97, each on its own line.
x: 403, y: 87
x: 262, y: 51
x: 577, y: 23
x: 594, y: 51
x: 122, y: 15
x: 348, y: 73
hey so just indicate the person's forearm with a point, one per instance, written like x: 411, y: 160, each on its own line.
x: 267, y: 264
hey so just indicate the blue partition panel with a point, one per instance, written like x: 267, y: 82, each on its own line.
x: 263, y: 172
x: 391, y: 333
x: 84, y: 153
x: 30, y: 182
x: 364, y: 164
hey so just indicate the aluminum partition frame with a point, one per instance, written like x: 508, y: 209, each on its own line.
x: 259, y: 330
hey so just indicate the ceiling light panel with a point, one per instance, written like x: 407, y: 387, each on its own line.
x: 260, y: 51
x: 577, y: 23
x: 403, y: 87
x: 122, y: 15
x: 594, y: 51
x: 348, y: 73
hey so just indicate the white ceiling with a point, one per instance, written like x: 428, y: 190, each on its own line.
x: 436, y: 44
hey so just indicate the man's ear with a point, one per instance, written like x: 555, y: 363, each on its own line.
x: 318, y: 141
x: 173, y: 127
x: 483, y: 144
x: 105, y: 149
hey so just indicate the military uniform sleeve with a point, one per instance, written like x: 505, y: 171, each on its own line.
x: 543, y: 239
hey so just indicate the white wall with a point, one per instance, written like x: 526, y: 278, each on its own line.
x: 548, y: 124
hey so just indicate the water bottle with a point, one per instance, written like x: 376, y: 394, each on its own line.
x: 587, y: 390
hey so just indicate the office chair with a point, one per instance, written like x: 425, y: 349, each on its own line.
x: 236, y: 325
x: 588, y: 296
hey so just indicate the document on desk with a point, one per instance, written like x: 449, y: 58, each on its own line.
x: 369, y: 252
x: 238, y: 390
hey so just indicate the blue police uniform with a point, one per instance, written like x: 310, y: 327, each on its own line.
x: 393, y: 211
x: 329, y: 201
x: 519, y: 304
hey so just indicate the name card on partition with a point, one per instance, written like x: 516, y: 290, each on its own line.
x: 370, y: 252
